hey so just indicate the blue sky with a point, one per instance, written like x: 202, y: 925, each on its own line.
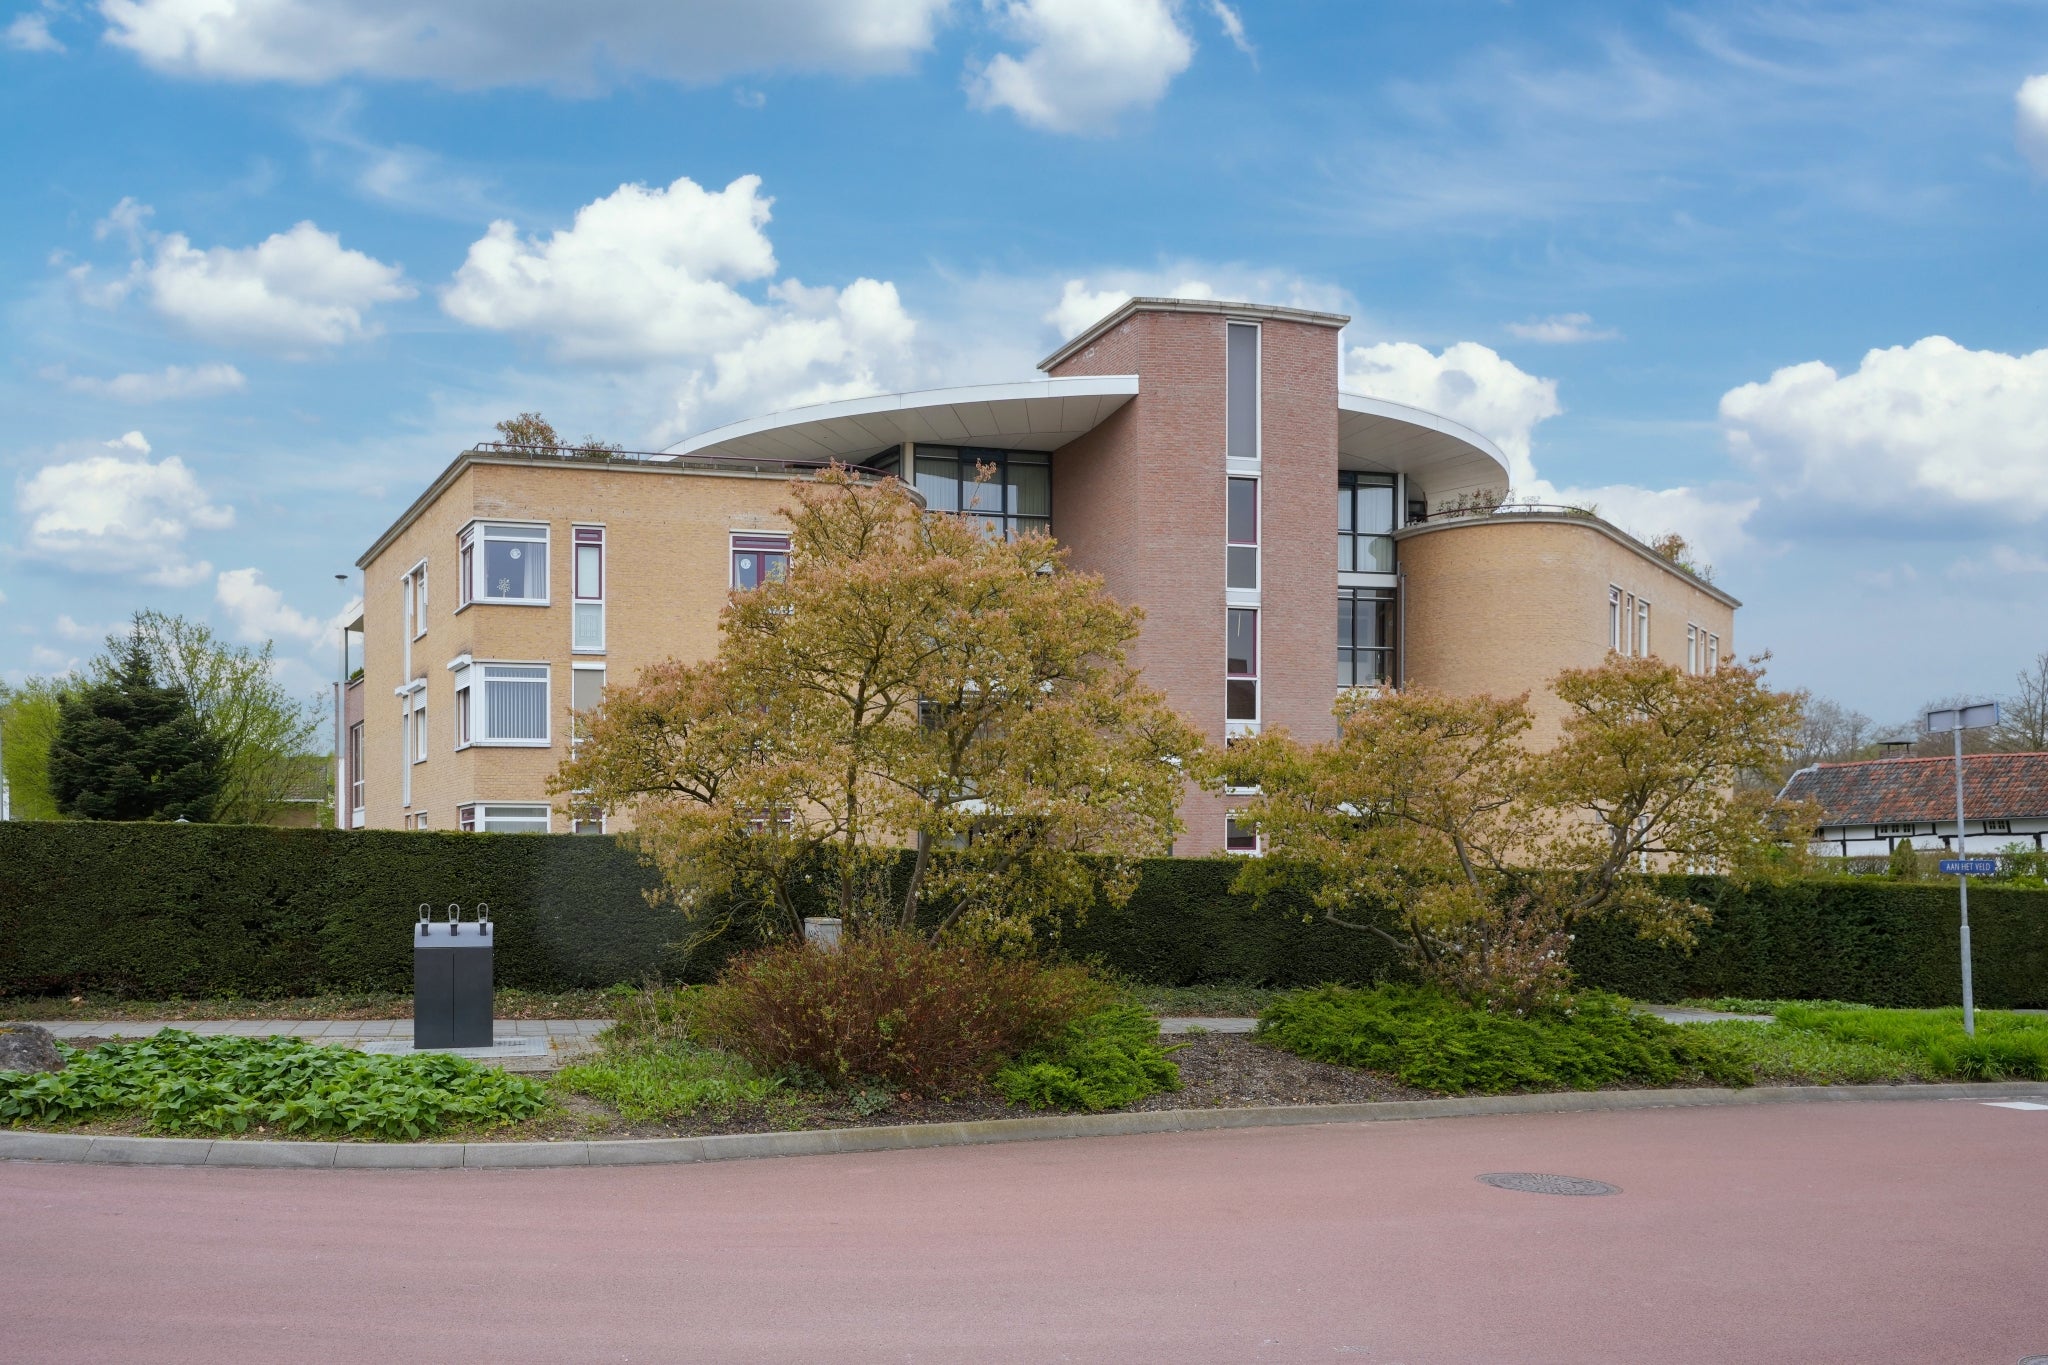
x: 1769, y: 275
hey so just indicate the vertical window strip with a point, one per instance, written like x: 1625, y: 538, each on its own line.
x: 1241, y: 391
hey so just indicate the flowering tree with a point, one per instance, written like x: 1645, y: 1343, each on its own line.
x: 911, y: 683
x: 1430, y: 821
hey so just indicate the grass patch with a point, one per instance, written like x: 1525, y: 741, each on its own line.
x: 669, y: 1080
x: 1222, y: 1000
x: 1433, y: 1042
x: 1742, y: 1004
x: 507, y: 1004
x: 2006, y: 1047
x: 179, y: 1083
x: 1780, y: 1055
x: 1107, y: 1060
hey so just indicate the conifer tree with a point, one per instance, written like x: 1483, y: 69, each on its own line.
x: 129, y: 748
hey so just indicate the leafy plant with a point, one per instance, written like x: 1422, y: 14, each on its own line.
x: 182, y: 1083
x: 890, y: 1008
x: 1775, y: 1053
x: 2006, y: 1046
x: 668, y: 1079
x: 1105, y: 1061
x: 1431, y: 1040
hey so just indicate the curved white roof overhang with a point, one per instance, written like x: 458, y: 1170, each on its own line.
x: 1032, y: 414
x: 1442, y: 456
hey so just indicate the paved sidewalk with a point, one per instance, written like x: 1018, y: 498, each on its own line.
x: 566, y: 1038
x: 1194, y: 1023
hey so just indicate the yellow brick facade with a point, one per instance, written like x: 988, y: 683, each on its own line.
x: 667, y: 576
x: 1503, y: 604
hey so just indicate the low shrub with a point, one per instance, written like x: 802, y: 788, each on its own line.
x: 1742, y: 1004
x: 182, y: 1083
x: 2006, y: 1046
x: 890, y: 1008
x: 1434, y: 1042
x: 1106, y: 1060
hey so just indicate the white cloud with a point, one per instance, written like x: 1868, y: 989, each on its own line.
x: 1715, y: 525
x: 257, y: 612
x: 565, y: 44
x: 1084, y: 302
x: 1561, y: 328
x: 31, y: 33
x: 1086, y: 62
x: 1466, y: 382
x: 299, y: 289
x: 1081, y: 307
x: 68, y: 628
x: 1233, y: 28
x: 130, y: 217
x: 111, y: 514
x: 653, y: 276
x: 173, y: 381
x: 1915, y: 431
x: 2031, y: 122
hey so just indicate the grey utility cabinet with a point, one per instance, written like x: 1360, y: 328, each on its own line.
x: 451, y: 981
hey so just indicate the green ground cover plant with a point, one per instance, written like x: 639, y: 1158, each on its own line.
x: 666, y: 1080
x: 1429, y: 1040
x: 1742, y: 1004
x: 1223, y: 998
x: 509, y: 1003
x: 180, y: 1083
x: 2006, y: 1046
x: 1789, y: 1056
x: 1105, y: 1060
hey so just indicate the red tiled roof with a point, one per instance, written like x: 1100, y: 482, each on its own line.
x: 1884, y: 790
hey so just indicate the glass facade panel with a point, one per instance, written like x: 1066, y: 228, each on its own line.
x: 1365, y: 522
x: 1241, y: 532
x: 1241, y: 699
x: 1242, y: 566
x: 515, y: 567
x: 1241, y: 440
x: 1365, y: 637
x: 1241, y: 643
x: 1015, y: 498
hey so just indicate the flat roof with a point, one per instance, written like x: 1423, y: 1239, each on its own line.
x: 1448, y: 457
x: 1259, y: 311
x: 1030, y: 414
x: 1513, y: 514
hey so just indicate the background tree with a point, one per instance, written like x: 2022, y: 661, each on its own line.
x: 28, y: 726
x: 911, y: 683
x: 2023, y: 716
x: 1904, y: 864
x: 260, y: 731
x: 130, y: 748
x: 1828, y: 732
x: 1430, y: 822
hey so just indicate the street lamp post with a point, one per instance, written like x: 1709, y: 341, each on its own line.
x: 1955, y: 720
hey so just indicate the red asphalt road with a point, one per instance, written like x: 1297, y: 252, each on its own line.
x: 1868, y: 1232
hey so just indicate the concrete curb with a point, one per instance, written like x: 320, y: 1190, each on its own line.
x: 129, y: 1151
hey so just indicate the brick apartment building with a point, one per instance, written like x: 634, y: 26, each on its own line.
x: 1188, y: 451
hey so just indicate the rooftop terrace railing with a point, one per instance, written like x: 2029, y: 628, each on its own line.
x: 1463, y: 510
x: 605, y: 455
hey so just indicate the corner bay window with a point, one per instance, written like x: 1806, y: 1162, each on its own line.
x: 1241, y: 534
x: 1365, y: 522
x: 514, y: 707
x: 587, y: 572
x: 758, y: 559
x: 500, y: 817
x: 1365, y: 637
x: 1241, y: 664
x: 504, y: 562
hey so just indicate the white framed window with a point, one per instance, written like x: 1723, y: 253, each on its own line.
x: 413, y: 593
x: 1642, y: 628
x: 757, y: 558
x: 1241, y: 534
x: 505, y: 561
x: 1615, y: 620
x: 1900, y: 829
x: 1692, y: 648
x: 503, y: 817
x: 1365, y: 522
x: 1241, y: 391
x: 1713, y: 654
x: 417, y: 820
x: 586, y: 690
x: 1998, y: 827
x: 590, y: 821
x: 419, y: 732
x: 587, y: 629
x: 1241, y: 664
x: 355, y: 774
x: 512, y: 710
x: 1239, y: 834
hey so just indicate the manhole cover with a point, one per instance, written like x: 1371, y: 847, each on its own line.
x: 1529, y: 1182
x: 2035, y: 1360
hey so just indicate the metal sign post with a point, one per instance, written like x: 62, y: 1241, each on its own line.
x: 1955, y: 720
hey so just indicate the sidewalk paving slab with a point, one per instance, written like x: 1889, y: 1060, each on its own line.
x: 257, y: 1152
x: 526, y: 1154
x: 130, y: 1151
x: 397, y: 1156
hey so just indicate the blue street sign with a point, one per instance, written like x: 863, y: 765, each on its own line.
x: 1973, y: 867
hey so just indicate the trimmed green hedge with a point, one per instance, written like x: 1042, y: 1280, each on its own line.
x: 162, y: 911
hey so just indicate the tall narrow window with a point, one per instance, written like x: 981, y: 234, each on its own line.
x: 1365, y: 637
x: 1241, y: 664
x: 1692, y: 648
x: 586, y: 690
x: 355, y: 773
x: 462, y: 734
x: 1614, y: 620
x: 419, y: 619
x: 1241, y: 391
x: 587, y: 630
x: 1642, y: 628
x: 419, y: 733
x: 405, y: 733
x: 1242, y: 534
x: 758, y: 559
x: 465, y: 591
x: 1713, y: 654
x: 1365, y: 522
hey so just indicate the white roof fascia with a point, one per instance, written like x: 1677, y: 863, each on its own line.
x: 958, y: 415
